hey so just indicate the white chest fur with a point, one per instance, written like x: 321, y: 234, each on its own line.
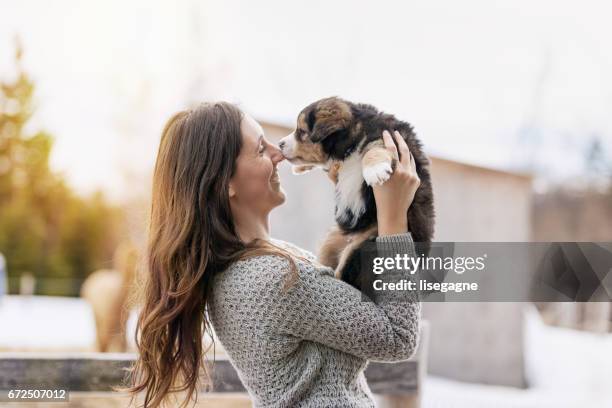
x: 348, y: 189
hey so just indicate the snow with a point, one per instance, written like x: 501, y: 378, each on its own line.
x: 46, y: 323
x: 442, y: 393
x: 565, y: 368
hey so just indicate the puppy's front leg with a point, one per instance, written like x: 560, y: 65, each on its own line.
x: 377, y: 165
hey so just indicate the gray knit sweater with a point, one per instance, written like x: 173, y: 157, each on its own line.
x: 310, y: 346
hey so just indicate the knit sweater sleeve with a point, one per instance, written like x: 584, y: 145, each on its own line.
x: 326, y: 310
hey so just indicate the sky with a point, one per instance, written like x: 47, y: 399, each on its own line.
x: 517, y: 85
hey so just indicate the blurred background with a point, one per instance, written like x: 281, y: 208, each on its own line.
x: 511, y: 99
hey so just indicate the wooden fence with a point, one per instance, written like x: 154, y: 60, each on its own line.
x: 89, y: 378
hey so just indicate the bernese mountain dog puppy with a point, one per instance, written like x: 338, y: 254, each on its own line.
x: 345, y: 139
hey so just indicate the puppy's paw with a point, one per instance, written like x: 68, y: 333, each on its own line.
x: 377, y: 173
x: 302, y: 168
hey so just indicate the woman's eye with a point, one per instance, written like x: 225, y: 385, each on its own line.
x: 262, y: 149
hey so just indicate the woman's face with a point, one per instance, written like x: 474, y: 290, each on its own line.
x: 255, y: 187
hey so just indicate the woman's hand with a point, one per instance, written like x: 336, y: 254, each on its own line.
x: 394, y: 196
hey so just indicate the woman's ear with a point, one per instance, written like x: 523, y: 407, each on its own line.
x: 232, y: 191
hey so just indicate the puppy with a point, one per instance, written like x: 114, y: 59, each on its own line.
x: 345, y: 139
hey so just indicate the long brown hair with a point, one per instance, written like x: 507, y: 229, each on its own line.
x: 192, y: 237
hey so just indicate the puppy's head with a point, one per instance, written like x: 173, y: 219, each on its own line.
x: 321, y: 132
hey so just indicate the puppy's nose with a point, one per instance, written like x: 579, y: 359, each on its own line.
x: 281, y: 144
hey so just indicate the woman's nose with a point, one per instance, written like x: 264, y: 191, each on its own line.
x: 276, y: 154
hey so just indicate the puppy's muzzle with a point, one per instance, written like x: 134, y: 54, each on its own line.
x: 286, y: 146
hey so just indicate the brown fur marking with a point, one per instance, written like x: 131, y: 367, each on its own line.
x: 330, y: 250
x: 333, y: 108
x: 309, y: 152
x: 332, y: 173
x: 302, y: 168
x: 375, y: 156
x: 354, y: 241
x: 301, y: 122
x: 331, y: 115
x: 338, y: 246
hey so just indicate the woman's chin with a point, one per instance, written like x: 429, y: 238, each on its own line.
x: 281, y: 196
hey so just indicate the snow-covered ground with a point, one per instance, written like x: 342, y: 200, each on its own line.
x: 46, y: 323
x: 565, y: 368
x: 50, y: 323
x: 442, y: 393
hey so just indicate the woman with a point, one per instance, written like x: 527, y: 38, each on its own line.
x: 296, y: 335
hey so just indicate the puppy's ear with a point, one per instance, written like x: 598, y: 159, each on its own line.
x: 332, y: 115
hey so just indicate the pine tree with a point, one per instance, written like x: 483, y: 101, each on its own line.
x: 45, y: 228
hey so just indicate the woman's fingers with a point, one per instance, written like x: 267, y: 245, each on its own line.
x: 404, y: 152
x: 389, y: 145
x: 407, y: 159
x: 404, y: 156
